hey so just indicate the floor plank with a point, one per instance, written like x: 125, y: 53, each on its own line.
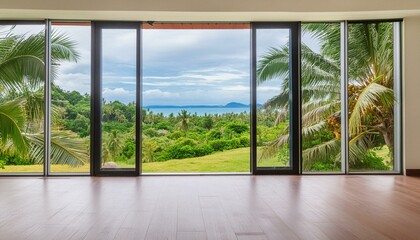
x: 210, y: 207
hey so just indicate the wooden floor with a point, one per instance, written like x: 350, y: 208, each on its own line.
x: 211, y: 207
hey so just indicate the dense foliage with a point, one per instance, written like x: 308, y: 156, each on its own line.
x: 370, y: 95
x: 22, y: 107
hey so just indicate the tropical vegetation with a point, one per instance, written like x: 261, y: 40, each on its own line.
x: 22, y: 105
x: 199, y: 139
x: 370, y: 96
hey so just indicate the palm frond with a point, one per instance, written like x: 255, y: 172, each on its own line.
x: 359, y: 145
x: 316, y: 111
x: 22, y: 57
x: 12, y: 119
x: 370, y: 96
x: 273, y: 64
x: 320, y: 152
x: 310, y: 130
x: 66, y: 148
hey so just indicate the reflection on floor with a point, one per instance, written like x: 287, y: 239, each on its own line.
x: 210, y: 207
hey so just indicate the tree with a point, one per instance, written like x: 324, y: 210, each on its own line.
x: 184, y: 121
x: 371, y: 97
x: 22, y: 102
x: 112, y: 146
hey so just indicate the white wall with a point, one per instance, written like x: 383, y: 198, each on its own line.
x: 411, y: 92
x: 208, y: 10
x: 215, y: 5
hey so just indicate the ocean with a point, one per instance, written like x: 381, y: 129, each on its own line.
x: 198, y: 110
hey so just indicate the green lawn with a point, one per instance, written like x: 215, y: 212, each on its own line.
x: 39, y: 168
x: 236, y: 160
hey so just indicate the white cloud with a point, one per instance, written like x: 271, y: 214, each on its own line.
x: 268, y: 89
x: 170, y: 84
x: 198, y: 77
x: 118, y: 94
x: 236, y: 88
x: 157, y: 93
x: 74, y: 82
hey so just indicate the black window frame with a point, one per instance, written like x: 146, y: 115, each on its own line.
x: 294, y: 98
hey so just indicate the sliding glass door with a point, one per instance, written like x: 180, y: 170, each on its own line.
x: 374, y: 97
x: 275, y: 99
x: 116, y: 97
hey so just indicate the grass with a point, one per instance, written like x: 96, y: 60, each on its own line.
x: 383, y: 152
x: 236, y: 160
x: 39, y: 169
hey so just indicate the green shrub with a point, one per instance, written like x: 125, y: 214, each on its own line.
x: 207, y: 122
x: 175, y: 135
x: 237, y: 128
x: 370, y: 161
x: 223, y: 144
x: 244, y: 141
x: 234, y: 143
x: 151, y: 132
x: 129, y: 148
x: 80, y: 125
x: 218, y: 145
x: 214, y: 134
x: 186, y: 142
x: 13, y: 160
x: 178, y: 152
x: 202, y: 150
x: 325, y: 166
x: 162, y: 125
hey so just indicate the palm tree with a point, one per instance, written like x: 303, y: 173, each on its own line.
x: 184, y: 122
x: 22, y: 100
x: 370, y: 90
x: 112, y: 146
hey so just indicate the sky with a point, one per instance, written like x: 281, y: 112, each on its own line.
x: 179, y: 67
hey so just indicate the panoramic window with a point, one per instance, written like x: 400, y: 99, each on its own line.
x: 22, y: 81
x: 70, y: 97
x: 196, y: 98
x: 372, y: 97
x: 320, y: 94
x: 194, y: 102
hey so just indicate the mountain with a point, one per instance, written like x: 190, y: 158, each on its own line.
x: 235, y: 105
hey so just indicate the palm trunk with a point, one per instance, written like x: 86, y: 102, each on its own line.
x: 389, y: 141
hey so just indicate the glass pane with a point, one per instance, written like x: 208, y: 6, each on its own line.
x: 196, y: 100
x: 70, y: 98
x: 321, y: 102
x: 273, y: 97
x: 371, y: 96
x: 119, y: 97
x: 22, y: 81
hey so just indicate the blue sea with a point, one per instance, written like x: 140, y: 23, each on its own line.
x: 199, y: 111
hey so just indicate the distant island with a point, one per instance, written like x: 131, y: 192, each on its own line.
x: 229, y: 105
